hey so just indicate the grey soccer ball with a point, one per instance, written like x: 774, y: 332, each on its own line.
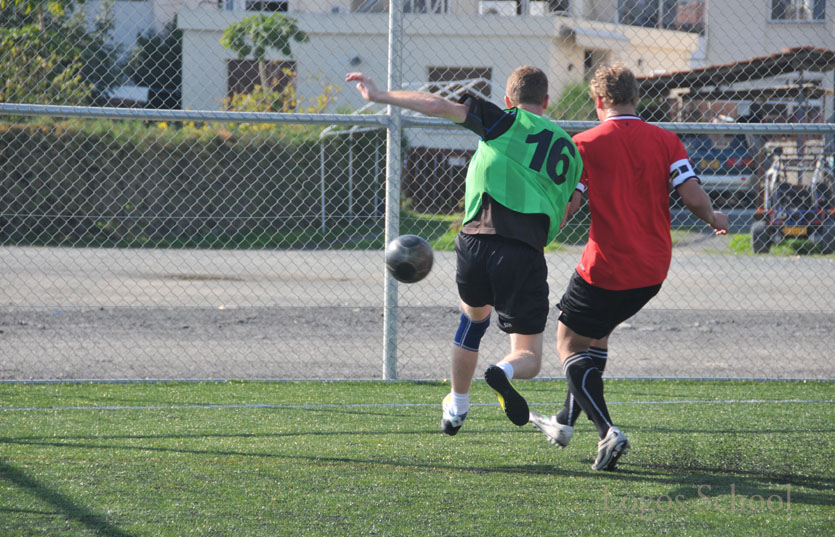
x: 409, y: 258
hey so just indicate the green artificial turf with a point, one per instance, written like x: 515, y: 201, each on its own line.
x: 367, y: 458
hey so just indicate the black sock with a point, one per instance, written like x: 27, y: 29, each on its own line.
x: 571, y: 410
x: 600, y: 357
x: 585, y: 381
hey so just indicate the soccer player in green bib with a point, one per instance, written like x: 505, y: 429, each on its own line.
x: 518, y: 186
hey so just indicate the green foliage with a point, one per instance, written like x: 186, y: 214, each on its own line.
x: 655, y: 109
x: 40, y: 67
x: 129, y: 184
x: 40, y: 8
x: 156, y: 60
x: 100, y: 57
x: 740, y: 244
x: 284, y: 100
x: 573, y: 104
x: 253, y: 35
x: 57, y: 48
x: 11, y: 17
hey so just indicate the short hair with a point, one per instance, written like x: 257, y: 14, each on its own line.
x: 527, y: 85
x: 614, y: 84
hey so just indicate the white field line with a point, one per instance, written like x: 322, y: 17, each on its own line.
x: 398, y: 405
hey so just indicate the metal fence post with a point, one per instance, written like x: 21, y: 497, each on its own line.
x: 393, y: 167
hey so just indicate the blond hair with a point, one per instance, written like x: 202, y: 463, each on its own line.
x: 615, y: 84
x: 527, y: 85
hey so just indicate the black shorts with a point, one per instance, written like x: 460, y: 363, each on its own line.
x: 506, y: 274
x: 594, y: 312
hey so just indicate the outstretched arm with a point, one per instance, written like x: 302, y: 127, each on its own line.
x: 419, y: 101
x: 699, y: 204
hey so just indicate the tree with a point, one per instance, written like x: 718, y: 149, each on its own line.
x: 100, y: 56
x: 41, y: 7
x: 253, y: 35
x: 51, y: 40
x: 156, y: 59
x: 40, y: 67
x: 573, y: 104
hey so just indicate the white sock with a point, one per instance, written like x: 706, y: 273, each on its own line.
x: 460, y: 403
x: 507, y: 368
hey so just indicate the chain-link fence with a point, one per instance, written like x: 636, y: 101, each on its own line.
x: 190, y: 190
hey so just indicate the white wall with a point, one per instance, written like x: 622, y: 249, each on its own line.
x: 742, y: 29
x: 451, y: 40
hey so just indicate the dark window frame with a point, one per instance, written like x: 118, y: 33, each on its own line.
x: 242, y: 75
x: 269, y: 6
x: 791, y: 10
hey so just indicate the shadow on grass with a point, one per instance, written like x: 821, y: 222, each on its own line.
x: 684, y: 478
x: 62, y: 503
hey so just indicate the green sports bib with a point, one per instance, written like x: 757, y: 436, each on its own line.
x: 531, y: 168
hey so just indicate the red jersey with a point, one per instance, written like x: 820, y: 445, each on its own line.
x: 629, y: 167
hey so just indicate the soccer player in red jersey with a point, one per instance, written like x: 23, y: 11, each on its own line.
x: 629, y: 167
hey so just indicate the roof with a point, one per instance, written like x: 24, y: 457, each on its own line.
x: 788, y: 61
x: 807, y: 90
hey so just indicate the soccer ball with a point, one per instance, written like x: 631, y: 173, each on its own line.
x: 409, y: 258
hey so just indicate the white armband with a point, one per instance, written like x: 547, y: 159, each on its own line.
x: 681, y: 171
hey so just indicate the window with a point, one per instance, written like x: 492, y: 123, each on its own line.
x: 409, y: 6
x: 424, y: 6
x: 275, y: 6
x: 797, y: 10
x: 683, y: 15
x: 559, y: 6
x: 243, y: 76
x: 592, y: 59
x: 473, y: 80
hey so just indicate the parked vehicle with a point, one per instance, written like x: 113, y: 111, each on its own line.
x: 798, y: 202
x: 726, y: 168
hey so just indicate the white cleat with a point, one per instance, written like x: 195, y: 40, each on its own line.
x: 556, y: 433
x: 450, y: 423
x: 610, y: 449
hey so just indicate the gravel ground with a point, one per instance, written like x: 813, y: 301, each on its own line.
x: 135, y: 314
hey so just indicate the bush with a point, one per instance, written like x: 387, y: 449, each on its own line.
x: 573, y: 104
x: 129, y: 184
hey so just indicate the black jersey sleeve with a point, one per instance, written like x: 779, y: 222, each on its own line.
x: 485, y: 118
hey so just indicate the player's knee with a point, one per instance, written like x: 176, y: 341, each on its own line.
x: 469, y: 333
x: 532, y: 357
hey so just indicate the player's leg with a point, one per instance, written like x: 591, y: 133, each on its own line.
x: 525, y: 357
x: 473, y: 323
x: 524, y: 362
x: 567, y: 416
x: 559, y: 428
x: 584, y: 377
x: 589, y: 314
x: 475, y: 294
x: 585, y: 381
x: 619, y: 306
x: 519, y: 279
x: 586, y: 317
